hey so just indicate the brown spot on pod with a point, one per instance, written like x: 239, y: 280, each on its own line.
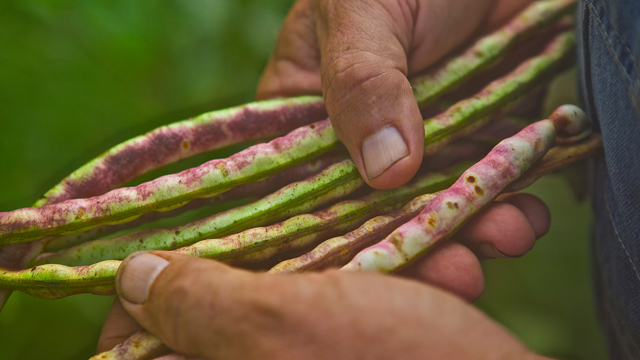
x: 312, y: 126
x: 223, y: 169
x: 431, y: 221
x: 79, y: 214
x: 471, y: 179
x: 452, y: 205
x: 174, y: 244
x: 396, y: 240
x: 186, y: 145
x: 479, y: 190
x: 177, y: 232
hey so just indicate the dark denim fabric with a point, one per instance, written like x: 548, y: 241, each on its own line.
x: 610, y: 83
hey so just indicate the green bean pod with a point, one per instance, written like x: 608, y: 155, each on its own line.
x: 470, y: 114
x: 487, y: 50
x: 331, y: 184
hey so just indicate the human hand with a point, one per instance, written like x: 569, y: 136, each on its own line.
x: 358, y: 54
x: 230, y: 313
x: 205, y: 309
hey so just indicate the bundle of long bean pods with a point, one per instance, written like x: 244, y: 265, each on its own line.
x: 308, y: 197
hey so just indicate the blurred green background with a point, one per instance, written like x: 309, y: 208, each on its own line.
x: 77, y: 77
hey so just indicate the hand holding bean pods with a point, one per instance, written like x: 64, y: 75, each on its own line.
x: 360, y: 60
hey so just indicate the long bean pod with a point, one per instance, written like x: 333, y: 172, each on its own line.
x: 140, y: 345
x: 169, y: 191
x: 470, y: 114
x: 170, y: 143
x: 475, y: 189
x: 557, y: 158
x: 487, y: 50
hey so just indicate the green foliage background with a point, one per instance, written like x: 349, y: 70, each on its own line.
x: 77, y: 77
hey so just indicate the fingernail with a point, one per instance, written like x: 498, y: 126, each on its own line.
x: 136, y: 275
x: 381, y: 150
x: 490, y: 252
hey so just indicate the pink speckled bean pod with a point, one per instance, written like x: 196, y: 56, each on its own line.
x: 475, y: 189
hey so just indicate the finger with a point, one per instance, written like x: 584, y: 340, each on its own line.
x: 201, y: 308
x: 204, y: 309
x: 535, y: 210
x: 504, y: 229
x: 118, y: 326
x: 364, y: 81
x: 451, y: 266
x: 294, y: 66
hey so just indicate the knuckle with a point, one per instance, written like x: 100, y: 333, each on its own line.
x: 355, y: 73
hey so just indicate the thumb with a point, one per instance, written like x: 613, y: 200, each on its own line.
x: 189, y: 303
x: 364, y: 47
x: 202, y: 308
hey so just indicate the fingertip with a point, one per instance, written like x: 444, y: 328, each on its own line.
x: 536, y: 211
x: 137, y: 274
x: 389, y: 160
x: 188, y: 301
x: 383, y: 149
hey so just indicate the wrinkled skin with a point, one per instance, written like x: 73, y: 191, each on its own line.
x: 203, y: 309
x: 358, y: 54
